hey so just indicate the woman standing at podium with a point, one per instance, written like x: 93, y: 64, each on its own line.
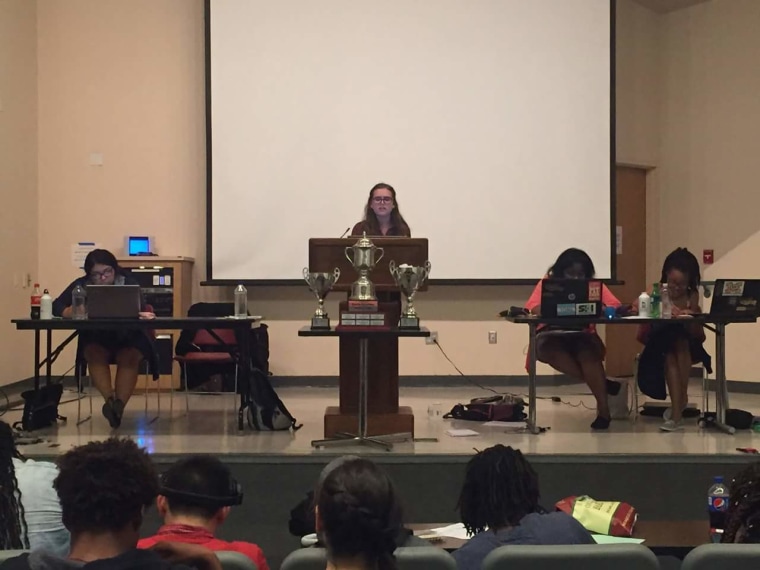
x: 100, y: 349
x: 382, y: 216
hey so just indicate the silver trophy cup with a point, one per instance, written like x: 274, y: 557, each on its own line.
x: 320, y: 284
x: 409, y: 279
x: 363, y: 255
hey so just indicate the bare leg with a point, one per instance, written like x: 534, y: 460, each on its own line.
x: 590, y: 359
x: 677, y: 366
x: 128, y: 364
x: 98, y: 360
x: 552, y: 351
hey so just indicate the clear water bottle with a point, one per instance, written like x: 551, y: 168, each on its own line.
x: 46, y: 306
x: 655, y: 310
x: 645, y: 305
x: 717, y: 505
x: 241, y: 302
x: 78, y: 303
x: 666, y: 307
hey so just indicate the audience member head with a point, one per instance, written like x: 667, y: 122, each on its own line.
x: 198, y: 490
x: 101, y: 267
x: 383, y: 204
x: 500, y: 488
x: 743, y: 516
x: 680, y: 271
x: 13, y: 534
x: 358, y: 514
x: 104, y: 487
x: 573, y: 263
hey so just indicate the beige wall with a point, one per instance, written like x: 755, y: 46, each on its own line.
x: 18, y: 179
x: 711, y: 121
x: 126, y: 79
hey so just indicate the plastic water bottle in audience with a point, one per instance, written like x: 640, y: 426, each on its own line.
x: 241, y: 301
x: 46, y: 305
x: 645, y: 305
x: 717, y: 505
x: 655, y: 310
x: 78, y: 303
x: 666, y: 307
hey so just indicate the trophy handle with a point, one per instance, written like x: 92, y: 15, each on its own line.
x: 306, y: 274
x: 382, y: 253
x: 392, y: 266
x: 348, y: 256
x: 336, y: 274
x: 427, y: 269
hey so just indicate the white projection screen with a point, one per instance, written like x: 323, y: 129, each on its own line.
x: 493, y: 120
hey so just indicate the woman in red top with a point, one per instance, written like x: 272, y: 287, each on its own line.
x: 577, y: 355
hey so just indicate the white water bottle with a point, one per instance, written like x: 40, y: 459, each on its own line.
x: 46, y: 306
x: 645, y: 305
x: 241, y: 302
x: 666, y: 310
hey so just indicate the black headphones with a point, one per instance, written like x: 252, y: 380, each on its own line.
x: 233, y: 496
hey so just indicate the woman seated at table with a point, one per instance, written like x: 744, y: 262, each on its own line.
x: 125, y: 348
x: 358, y: 516
x: 382, y: 216
x: 577, y: 355
x: 498, y: 504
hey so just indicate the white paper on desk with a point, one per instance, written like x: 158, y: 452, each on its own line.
x: 607, y: 539
x: 452, y: 531
x: 461, y: 432
x: 507, y: 425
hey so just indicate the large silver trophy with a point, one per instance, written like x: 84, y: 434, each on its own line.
x: 409, y: 279
x: 320, y: 284
x: 363, y: 256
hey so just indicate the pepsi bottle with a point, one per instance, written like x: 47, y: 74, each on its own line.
x: 717, y: 505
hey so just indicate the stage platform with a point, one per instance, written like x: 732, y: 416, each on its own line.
x: 664, y: 475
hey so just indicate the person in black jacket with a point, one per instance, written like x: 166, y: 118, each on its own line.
x: 125, y: 348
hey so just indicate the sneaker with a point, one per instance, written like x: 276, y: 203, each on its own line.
x: 668, y: 413
x: 618, y: 402
x: 112, y: 412
x: 671, y: 425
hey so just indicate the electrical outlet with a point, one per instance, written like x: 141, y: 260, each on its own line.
x: 492, y: 338
x: 433, y: 338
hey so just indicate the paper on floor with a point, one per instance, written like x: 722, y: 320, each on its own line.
x: 461, y: 432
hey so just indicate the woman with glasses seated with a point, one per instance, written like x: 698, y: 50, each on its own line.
x: 382, y: 216
x: 125, y: 348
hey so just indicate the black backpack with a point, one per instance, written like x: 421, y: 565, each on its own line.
x: 266, y: 412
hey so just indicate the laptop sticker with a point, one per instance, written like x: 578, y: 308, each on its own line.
x: 733, y: 288
x: 566, y: 310
x: 594, y: 290
x: 583, y: 309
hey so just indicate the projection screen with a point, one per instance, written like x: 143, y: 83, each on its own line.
x: 493, y: 120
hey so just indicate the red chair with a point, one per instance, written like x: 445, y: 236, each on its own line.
x: 220, y: 348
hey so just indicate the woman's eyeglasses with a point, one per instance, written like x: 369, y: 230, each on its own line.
x: 382, y: 199
x: 99, y: 275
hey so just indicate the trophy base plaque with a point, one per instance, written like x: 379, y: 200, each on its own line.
x: 351, y: 319
x: 363, y: 305
x: 320, y: 323
x: 409, y: 323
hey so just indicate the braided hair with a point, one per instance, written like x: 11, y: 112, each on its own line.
x: 359, y: 514
x: 743, y: 506
x: 681, y: 259
x: 13, y: 531
x: 500, y: 488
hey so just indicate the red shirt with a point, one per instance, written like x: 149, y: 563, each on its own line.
x: 198, y: 535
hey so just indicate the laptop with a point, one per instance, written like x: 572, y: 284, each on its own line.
x: 736, y: 298
x: 113, y: 301
x: 571, y: 298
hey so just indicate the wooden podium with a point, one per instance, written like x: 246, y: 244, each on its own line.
x: 385, y: 416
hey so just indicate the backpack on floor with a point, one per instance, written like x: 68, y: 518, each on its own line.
x: 266, y: 412
x: 493, y: 408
